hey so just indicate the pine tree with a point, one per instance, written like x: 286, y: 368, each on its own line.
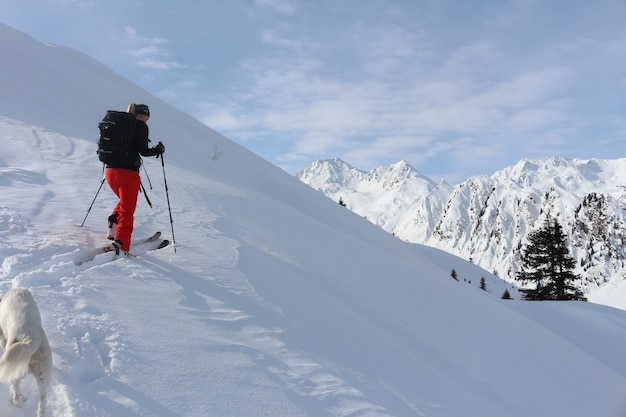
x: 547, y: 263
x: 454, y: 275
x: 506, y: 295
x: 483, y: 284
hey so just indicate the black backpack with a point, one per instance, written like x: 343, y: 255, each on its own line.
x: 115, y: 140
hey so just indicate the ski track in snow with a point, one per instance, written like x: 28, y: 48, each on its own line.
x: 91, y: 348
x: 94, y: 346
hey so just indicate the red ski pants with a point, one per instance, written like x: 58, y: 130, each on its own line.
x: 125, y: 184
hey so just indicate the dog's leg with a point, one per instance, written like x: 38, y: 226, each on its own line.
x: 41, y: 408
x: 40, y: 367
x: 18, y: 399
x: 42, y: 383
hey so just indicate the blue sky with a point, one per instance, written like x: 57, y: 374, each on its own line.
x: 456, y: 88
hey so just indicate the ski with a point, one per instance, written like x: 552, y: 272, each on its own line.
x: 146, y: 240
x: 163, y: 244
x: 91, y: 254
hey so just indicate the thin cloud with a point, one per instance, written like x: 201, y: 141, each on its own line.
x: 397, y: 85
x: 150, y: 53
x: 286, y: 7
x: 391, y: 48
x: 80, y: 4
x: 133, y: 36
x: 325, y: 116
x: 223, y: 119
x: 299, y: 81
x: 471, y: 57
x: 391, y: 149
x: 272, y: 38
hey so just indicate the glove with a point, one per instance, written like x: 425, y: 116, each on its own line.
x: 160, y: 148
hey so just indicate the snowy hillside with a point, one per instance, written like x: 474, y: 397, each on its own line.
x: 278, y: 302
x: 486, y: 219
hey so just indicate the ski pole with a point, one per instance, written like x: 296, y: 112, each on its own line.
x: 147, y: 176
x: 145, y: 194
x: 169, y: 208
x: 93, y: 201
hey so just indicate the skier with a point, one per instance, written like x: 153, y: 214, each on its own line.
x: 123, y: 178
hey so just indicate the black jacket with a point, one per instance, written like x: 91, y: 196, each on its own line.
x: 138, y: 149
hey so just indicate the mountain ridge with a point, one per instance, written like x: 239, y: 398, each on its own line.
x: 486, y: 218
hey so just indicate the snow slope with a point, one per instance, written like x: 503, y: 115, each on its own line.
x: 278, y: 301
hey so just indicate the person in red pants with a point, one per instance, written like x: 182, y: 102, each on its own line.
x: 123, y: 178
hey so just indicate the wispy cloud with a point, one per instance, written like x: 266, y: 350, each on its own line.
x: 369, y: 119
x: 411, y: 82
x: 271, y: 37
x: 373, y: 82
x: 149, y: 52
x: 390, y: 48
x: 80, y: 4
x: 286, y: 7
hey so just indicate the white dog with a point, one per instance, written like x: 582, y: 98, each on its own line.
x: 25, y: 345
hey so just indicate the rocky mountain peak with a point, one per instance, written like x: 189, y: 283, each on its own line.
x: 486, y: 219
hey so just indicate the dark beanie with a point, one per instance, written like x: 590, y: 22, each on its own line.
x: 142, y: 109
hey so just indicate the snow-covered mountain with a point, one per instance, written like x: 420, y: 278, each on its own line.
x: 278, y: 302
x: 486, y: 219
